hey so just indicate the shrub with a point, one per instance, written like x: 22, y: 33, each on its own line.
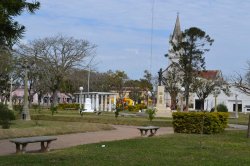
x: 18, y: 108
x: 199, y: 122
x: 132, y: 108
x: 151, y: 114
x: 220, y: 108
x: 53, y: 109
x: 135, y: 108
x: 65, y: 106
x: 117, y: 113
x: 6, y: 116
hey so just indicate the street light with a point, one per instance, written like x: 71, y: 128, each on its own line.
x: 236, y: 106
x: 216, y: 92
x: 182, y: 95
x: 81, y: 89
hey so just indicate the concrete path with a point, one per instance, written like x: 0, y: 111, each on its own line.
x: 69, y: 140
x: 237, y: 126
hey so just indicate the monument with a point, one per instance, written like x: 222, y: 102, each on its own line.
x: 161, y: 108
x: 87, y: 105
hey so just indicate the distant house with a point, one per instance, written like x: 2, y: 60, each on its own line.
x: 18, y: 96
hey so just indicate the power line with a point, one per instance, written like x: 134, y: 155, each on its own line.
x: 151, y: 38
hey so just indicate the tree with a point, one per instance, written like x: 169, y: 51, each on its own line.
x: 243, y: 83
x: 135, y: 91
x: 55, y: 57
x: 11, y: 31
x: 172, y: 84
x: 118, y: 80
x: 190, y: 50
x: 5, y: 68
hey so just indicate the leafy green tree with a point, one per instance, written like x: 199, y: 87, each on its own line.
x: 11, y: 31
x: 190, y: 50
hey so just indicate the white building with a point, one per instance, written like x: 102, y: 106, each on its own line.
x: 99, y: 101
x: 243, y: 101
x: 236, y: 97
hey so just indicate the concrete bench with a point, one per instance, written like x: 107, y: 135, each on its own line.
x: 127, y: 115
x: 144, y: 130
x: 21, y: 143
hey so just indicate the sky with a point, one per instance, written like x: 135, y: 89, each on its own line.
x: 121, y: 29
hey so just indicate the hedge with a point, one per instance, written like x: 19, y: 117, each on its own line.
x: 200, y: 122
x: 6, y: 116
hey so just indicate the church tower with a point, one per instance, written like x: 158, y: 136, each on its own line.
x: 174, y: 38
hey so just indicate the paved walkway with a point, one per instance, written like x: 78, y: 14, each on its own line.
x: 237, y: 126
x: 69, y: 140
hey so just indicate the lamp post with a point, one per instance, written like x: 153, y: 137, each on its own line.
x: 216, y: 92
x: 182, y: 94
x: 88, y: 79
x: 81, y: 89
x: 236, y: 106
x: 10, y: 106
x: 25, y: 112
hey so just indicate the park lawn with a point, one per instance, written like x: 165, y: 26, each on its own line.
x: 20, y: 128
x: 242, y: 120
x: 228, y: 148
x: 104, y: 118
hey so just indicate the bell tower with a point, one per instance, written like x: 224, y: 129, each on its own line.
x: 174, y: 38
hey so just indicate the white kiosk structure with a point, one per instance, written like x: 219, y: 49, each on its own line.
x: 97, y: 101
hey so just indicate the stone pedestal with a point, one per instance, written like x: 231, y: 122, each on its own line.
x: 162, y: 110
x: 87, y: 105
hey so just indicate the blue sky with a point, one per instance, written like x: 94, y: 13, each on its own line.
x: 122, y: 30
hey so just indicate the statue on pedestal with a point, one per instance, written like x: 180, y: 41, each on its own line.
x: 160, y: 77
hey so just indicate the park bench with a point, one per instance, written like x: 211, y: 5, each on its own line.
x: 21, y: 143
x: 127, y: 115
x: 144, y: 130
x: 141, y: 114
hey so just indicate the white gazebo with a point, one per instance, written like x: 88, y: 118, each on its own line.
x: 100, y: 101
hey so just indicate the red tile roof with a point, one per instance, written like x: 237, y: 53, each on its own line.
x: 209, y: 74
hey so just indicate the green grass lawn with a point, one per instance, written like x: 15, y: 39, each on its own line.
x: 20, y: 128
x: 243, y: 119
x: 105, y: 118
x: 228, y: 148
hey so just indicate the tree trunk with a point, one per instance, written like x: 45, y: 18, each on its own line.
x: 187, y: 97
x: 173, y: 102
x: 248, y: 130
x: 202, y: 104
x: 55, y: 98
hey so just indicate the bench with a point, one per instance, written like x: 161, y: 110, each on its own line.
x: 127, y: 115
x: 141, y: 114
x: 144, y: 130
x: 21, y: 143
